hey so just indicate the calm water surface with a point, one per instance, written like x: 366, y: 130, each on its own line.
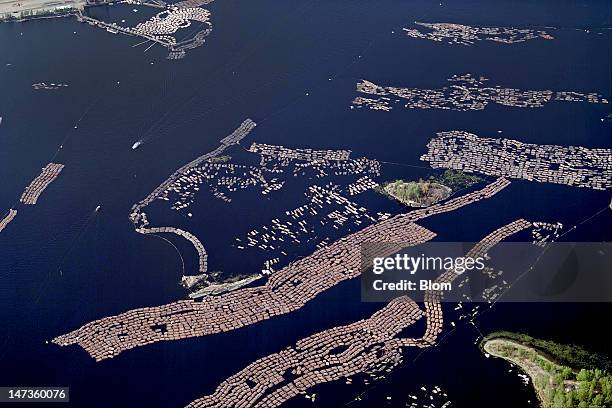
x: 62, y: 265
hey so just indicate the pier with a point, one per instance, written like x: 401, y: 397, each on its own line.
x: 115, y: 29
x: 160, y: 28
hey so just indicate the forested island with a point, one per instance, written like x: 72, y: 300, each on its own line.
x: 416, y: 193
x: 456, y: 179
x: 564, y: 376
x: 424, y: 193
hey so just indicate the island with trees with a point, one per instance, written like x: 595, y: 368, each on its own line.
x: 424, y: 193
x: 456, y: 179
x: 564, y: 376
x: 416, y: 193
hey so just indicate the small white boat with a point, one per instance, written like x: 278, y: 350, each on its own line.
x: 136, y: 145
x: 98, y: 208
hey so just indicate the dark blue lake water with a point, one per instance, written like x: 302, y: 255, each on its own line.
x: 62, y: 264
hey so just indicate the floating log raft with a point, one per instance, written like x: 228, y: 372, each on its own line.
x: 469, y: 35
x: 202, y: 256
x: 287, y: 290
x: 168, y: 22
x: 162, y: 27
x: 281, y: 152
x: 6, y: 220
x: 570, y: 165
x: 465, y: 93
x: 139, y: 218
x: 433, y: 308
x: 40, y: 183
x: 49, y: 87
x: 298, y: 225
x: 222, y: 177
x: 364, y: 183
x: 544, y: 232
x: 234, y: 138
x: 367, y: 346
x: 326, y: 356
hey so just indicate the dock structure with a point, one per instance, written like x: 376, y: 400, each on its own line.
x: 461, y: 34
x: 7, y: 219
x: 150, y: 3
x: 370, y: 346
x: 162, y: 28
x: 115, y: 28
x: 285, y: 291
x: 40, y: 183
x: 465, y: 93
x: 570, y: 165
x: 192, y: 3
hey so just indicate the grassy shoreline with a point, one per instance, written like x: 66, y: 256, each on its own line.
x: 39, y: 16
x: 557, y: 384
